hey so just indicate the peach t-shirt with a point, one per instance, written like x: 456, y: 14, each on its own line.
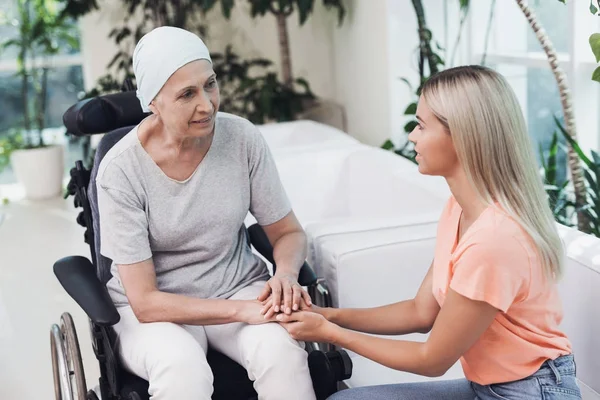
x: 496, y: 262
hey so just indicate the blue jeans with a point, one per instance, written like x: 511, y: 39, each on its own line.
x: 555, y: 380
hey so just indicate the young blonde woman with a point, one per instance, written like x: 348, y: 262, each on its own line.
x: 490, y: 297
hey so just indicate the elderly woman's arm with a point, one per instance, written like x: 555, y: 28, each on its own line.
x: 151, y: 305
x: 289, y: 252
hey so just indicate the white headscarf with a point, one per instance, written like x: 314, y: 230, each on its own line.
x: 160, y: 53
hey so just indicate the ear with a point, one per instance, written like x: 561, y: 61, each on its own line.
x: 153, y: 108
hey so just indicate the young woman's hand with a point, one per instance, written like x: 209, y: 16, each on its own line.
x: 307, y: 326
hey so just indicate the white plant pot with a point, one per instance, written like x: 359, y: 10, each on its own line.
x: 40, y: 171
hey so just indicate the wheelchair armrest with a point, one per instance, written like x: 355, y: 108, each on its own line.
x: 78, y: 276
x: 260, y: 241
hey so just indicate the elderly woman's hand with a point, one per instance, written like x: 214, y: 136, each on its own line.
x: 285, y: 294
x: 268, y: 307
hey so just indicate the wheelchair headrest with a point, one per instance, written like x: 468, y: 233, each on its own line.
x: 103, y: 114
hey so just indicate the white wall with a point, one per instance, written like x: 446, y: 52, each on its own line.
x: 361, y: 65
x: 310, y: 44
x: 96, y: 47
x: 358, y: 65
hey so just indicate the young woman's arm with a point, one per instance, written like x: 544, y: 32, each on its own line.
x: 460, y: 323
x: 415, y: 315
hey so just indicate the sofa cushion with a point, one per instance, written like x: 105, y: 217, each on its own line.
x: 304, y: 135
x: 580, y: 294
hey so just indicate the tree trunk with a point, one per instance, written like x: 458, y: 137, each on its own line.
x: 565, y: 99
x: 25, y: 93
x: 23, y: 55
x: 424, y: 42
x: 41, y: 112
x: 284, y: 48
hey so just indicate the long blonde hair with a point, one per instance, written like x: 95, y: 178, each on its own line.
x: 481, y: 112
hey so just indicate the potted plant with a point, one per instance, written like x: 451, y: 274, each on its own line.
x: 308, y: 106
x: 38, y: 165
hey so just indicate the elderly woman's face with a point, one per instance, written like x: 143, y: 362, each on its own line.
x: 189, y: 100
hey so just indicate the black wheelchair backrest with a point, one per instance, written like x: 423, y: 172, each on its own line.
x: 115, y: 115
x: 103, y: 114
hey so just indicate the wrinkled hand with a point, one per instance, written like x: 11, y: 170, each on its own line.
x: 268, y: 309
x: 249, y: 311
x: 306, y: 326
x: 285, y: 293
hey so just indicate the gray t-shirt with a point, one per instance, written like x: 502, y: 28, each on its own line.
x: 193, y: 230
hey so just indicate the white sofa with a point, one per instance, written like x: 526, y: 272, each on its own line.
x: 367, y: 269
x: 303, y: 135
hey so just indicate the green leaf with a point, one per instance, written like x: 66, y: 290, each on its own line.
x: 595, y: 157
x: 562, y: 1
x: 410, y: 126
x: 411, y: 109
x: 541, y: 152
x: 591, y: 180
x: 596, y: 75
x: 226, y: 6
x: 574, y: 144
x: 304, y: 9
x: 595, y: 45
x: 593, y: 8
x: 407, y: 83
x: 551, y: 163
x: 438, y: 59
x: 304, y: 83
x: 388, y: 145
x: 464, y: 4
x: 339, y: 5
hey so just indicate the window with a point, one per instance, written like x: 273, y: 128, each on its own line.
x: 65, y: 83
x: 514, y: 50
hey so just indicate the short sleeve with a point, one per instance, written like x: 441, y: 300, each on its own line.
x: 495, y: 272
x: 268, y: 200
x: 124, y: 236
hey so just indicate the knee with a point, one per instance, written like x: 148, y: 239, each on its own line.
x: 181, y: 373
x: 280, y: 353
x: 348, y: 394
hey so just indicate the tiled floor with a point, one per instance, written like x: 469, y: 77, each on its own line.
x: 33, y: 236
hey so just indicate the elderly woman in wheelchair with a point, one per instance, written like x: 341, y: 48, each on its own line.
x: 172, y: 197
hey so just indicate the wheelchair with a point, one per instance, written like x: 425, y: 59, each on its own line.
x: 85, y: 281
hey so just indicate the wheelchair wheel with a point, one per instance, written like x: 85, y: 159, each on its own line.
x: 92, y: 395
x: 67, y: 366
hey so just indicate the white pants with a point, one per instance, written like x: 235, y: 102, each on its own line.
x: 172, y: 358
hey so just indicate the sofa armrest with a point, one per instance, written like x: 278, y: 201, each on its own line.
x: 78, y: 277
x: 373, y: 267
x: 372, y: 258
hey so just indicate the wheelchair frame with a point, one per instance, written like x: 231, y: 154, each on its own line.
x: 331, y: 366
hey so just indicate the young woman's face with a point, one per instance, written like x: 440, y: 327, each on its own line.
x: 189, y: 100
x: 433, y: 143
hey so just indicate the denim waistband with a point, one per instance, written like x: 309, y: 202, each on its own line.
x: 562, y: 365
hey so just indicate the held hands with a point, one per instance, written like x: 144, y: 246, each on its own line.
x: 284, y: 301
x: 309, y: 323
x: 285, y: 294
x: 307, y: 326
